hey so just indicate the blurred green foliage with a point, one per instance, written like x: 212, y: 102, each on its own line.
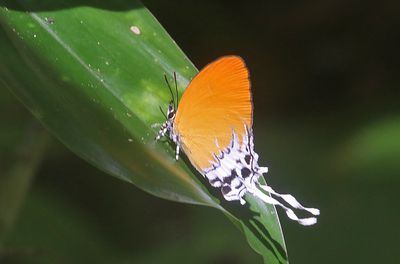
x: 326, y: 94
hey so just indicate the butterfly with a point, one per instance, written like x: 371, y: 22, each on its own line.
x: 213, y: 125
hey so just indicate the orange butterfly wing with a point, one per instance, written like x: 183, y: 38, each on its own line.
x: 216, y: 102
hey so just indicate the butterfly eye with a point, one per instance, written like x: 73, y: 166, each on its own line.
x: 171, y: 114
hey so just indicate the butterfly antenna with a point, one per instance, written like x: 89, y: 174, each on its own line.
x: 163, y: 113
x: 176, y: 90
x: 169, y: 87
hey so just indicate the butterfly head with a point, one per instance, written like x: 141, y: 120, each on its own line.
x: 171, y: 111
x: 167, y: 128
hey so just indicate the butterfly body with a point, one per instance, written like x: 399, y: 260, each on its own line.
x: 213, y: 126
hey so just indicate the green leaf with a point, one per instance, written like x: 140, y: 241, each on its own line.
x: 93, y: 75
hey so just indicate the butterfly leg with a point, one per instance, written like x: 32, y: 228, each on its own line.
x: 156, y: 125
x: 163, y: 130
x: 177, y: 151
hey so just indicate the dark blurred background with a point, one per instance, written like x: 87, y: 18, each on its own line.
x: 325, y: 81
